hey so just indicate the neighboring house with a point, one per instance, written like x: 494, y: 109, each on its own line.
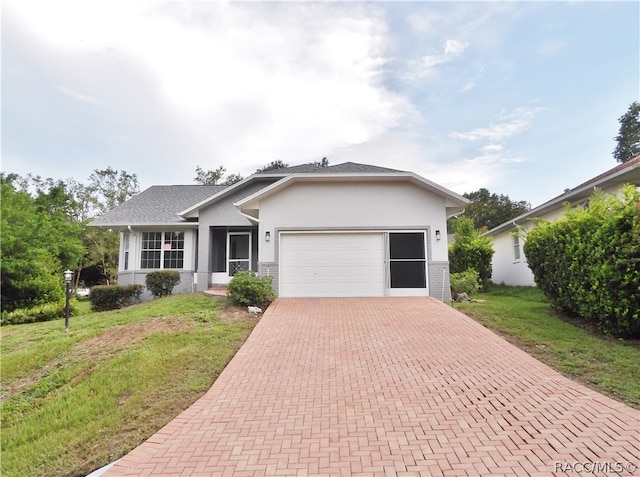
x: 343, y: 230
x: 509, y: 263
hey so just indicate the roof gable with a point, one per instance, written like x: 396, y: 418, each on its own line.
x: 454, y: 203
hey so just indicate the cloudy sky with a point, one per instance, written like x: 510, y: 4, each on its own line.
x: 522, y: 98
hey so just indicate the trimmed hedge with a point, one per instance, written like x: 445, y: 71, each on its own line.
x: 588, y: 263
x: 247, y: 289
x: 162, y: 282
x: 470, y: 251
x: 113, y: 297
x: 37, y: 314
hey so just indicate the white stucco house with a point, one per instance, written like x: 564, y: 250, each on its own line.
x: 509, y: 262
x: 343, y: 230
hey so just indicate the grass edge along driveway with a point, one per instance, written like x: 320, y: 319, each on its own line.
x: 525, y: 318
x: 73, y: 402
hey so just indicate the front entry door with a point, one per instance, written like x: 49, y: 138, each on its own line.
x: 239, y: 246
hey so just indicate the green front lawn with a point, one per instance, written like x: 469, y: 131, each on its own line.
x: 73, y: 402
x: 524, y: 317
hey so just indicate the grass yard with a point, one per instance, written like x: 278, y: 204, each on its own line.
x: 73, y: 402
x: 524, y: 317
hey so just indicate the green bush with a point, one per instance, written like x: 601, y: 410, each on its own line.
x: 113, y: 297
x: 465, y: 282
x: 46, y: 312
x: 247, y: 289
x: 588, y: 262
x: 470, y: 251
x: 162, y: 283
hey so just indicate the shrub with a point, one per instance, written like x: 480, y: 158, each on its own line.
x: 162, y: 283
x: 470, y: 251
x: 247, y: 289
x: 465, y: 282
x: 588, y: 262
x: 46, y: 312
x: 113, y: 297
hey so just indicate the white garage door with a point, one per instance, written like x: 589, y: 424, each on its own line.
x: 331, y: 264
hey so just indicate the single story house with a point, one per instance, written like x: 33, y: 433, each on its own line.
x: 343, y: 230
x: 509, y: 262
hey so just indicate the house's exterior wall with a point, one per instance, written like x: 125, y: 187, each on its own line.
x: 357, y: 206
x: 513, y: 272
x: 505, y: 268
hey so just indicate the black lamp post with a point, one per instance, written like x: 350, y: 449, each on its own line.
x: 68, y: 276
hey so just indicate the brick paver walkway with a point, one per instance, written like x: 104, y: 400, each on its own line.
x: 388, y: 386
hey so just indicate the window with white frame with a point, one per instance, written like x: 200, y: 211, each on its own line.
x: 125, y: 249
x: 516, y: 248
x: 162, y: 250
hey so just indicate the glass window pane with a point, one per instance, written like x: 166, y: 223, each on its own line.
x: 150, y: 259
x: 408, y: 245
x: 408, y: 274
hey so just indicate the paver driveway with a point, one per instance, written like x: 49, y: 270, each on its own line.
x: 388, y: 386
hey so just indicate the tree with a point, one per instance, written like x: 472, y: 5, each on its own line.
x: 37, y: 242
x: 489, y: 210
x: 272, y: 166
x: 215, y: 177
x: 232, y: 179
x: 107, y: 188
x: 209, y: 177
x: 628, y: 137
x: 322, y: 163
x: 110, y: 187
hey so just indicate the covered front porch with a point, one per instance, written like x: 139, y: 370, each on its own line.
x: 231, y: 250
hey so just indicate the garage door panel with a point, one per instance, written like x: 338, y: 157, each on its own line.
x: 328, y: 264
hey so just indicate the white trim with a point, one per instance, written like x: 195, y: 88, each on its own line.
x: 229, y: 259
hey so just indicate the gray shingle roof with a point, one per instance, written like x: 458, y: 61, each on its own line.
x: 157, y: 205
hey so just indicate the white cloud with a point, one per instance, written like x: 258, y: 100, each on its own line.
x: 242, y: 83
x: 423, y: 67
x: 78, y: 96
x: 513, y: 123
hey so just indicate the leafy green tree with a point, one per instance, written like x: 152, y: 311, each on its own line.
x: 110, y: 187
x: 489, y: 210
x: 209, y: 177
x: 107, y: 188
x: 37, y: 242
x: 215, y: 177
x: 628, y: 138
x: 272, y: 166
x: 232, y: 179
x: 322, y: 163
